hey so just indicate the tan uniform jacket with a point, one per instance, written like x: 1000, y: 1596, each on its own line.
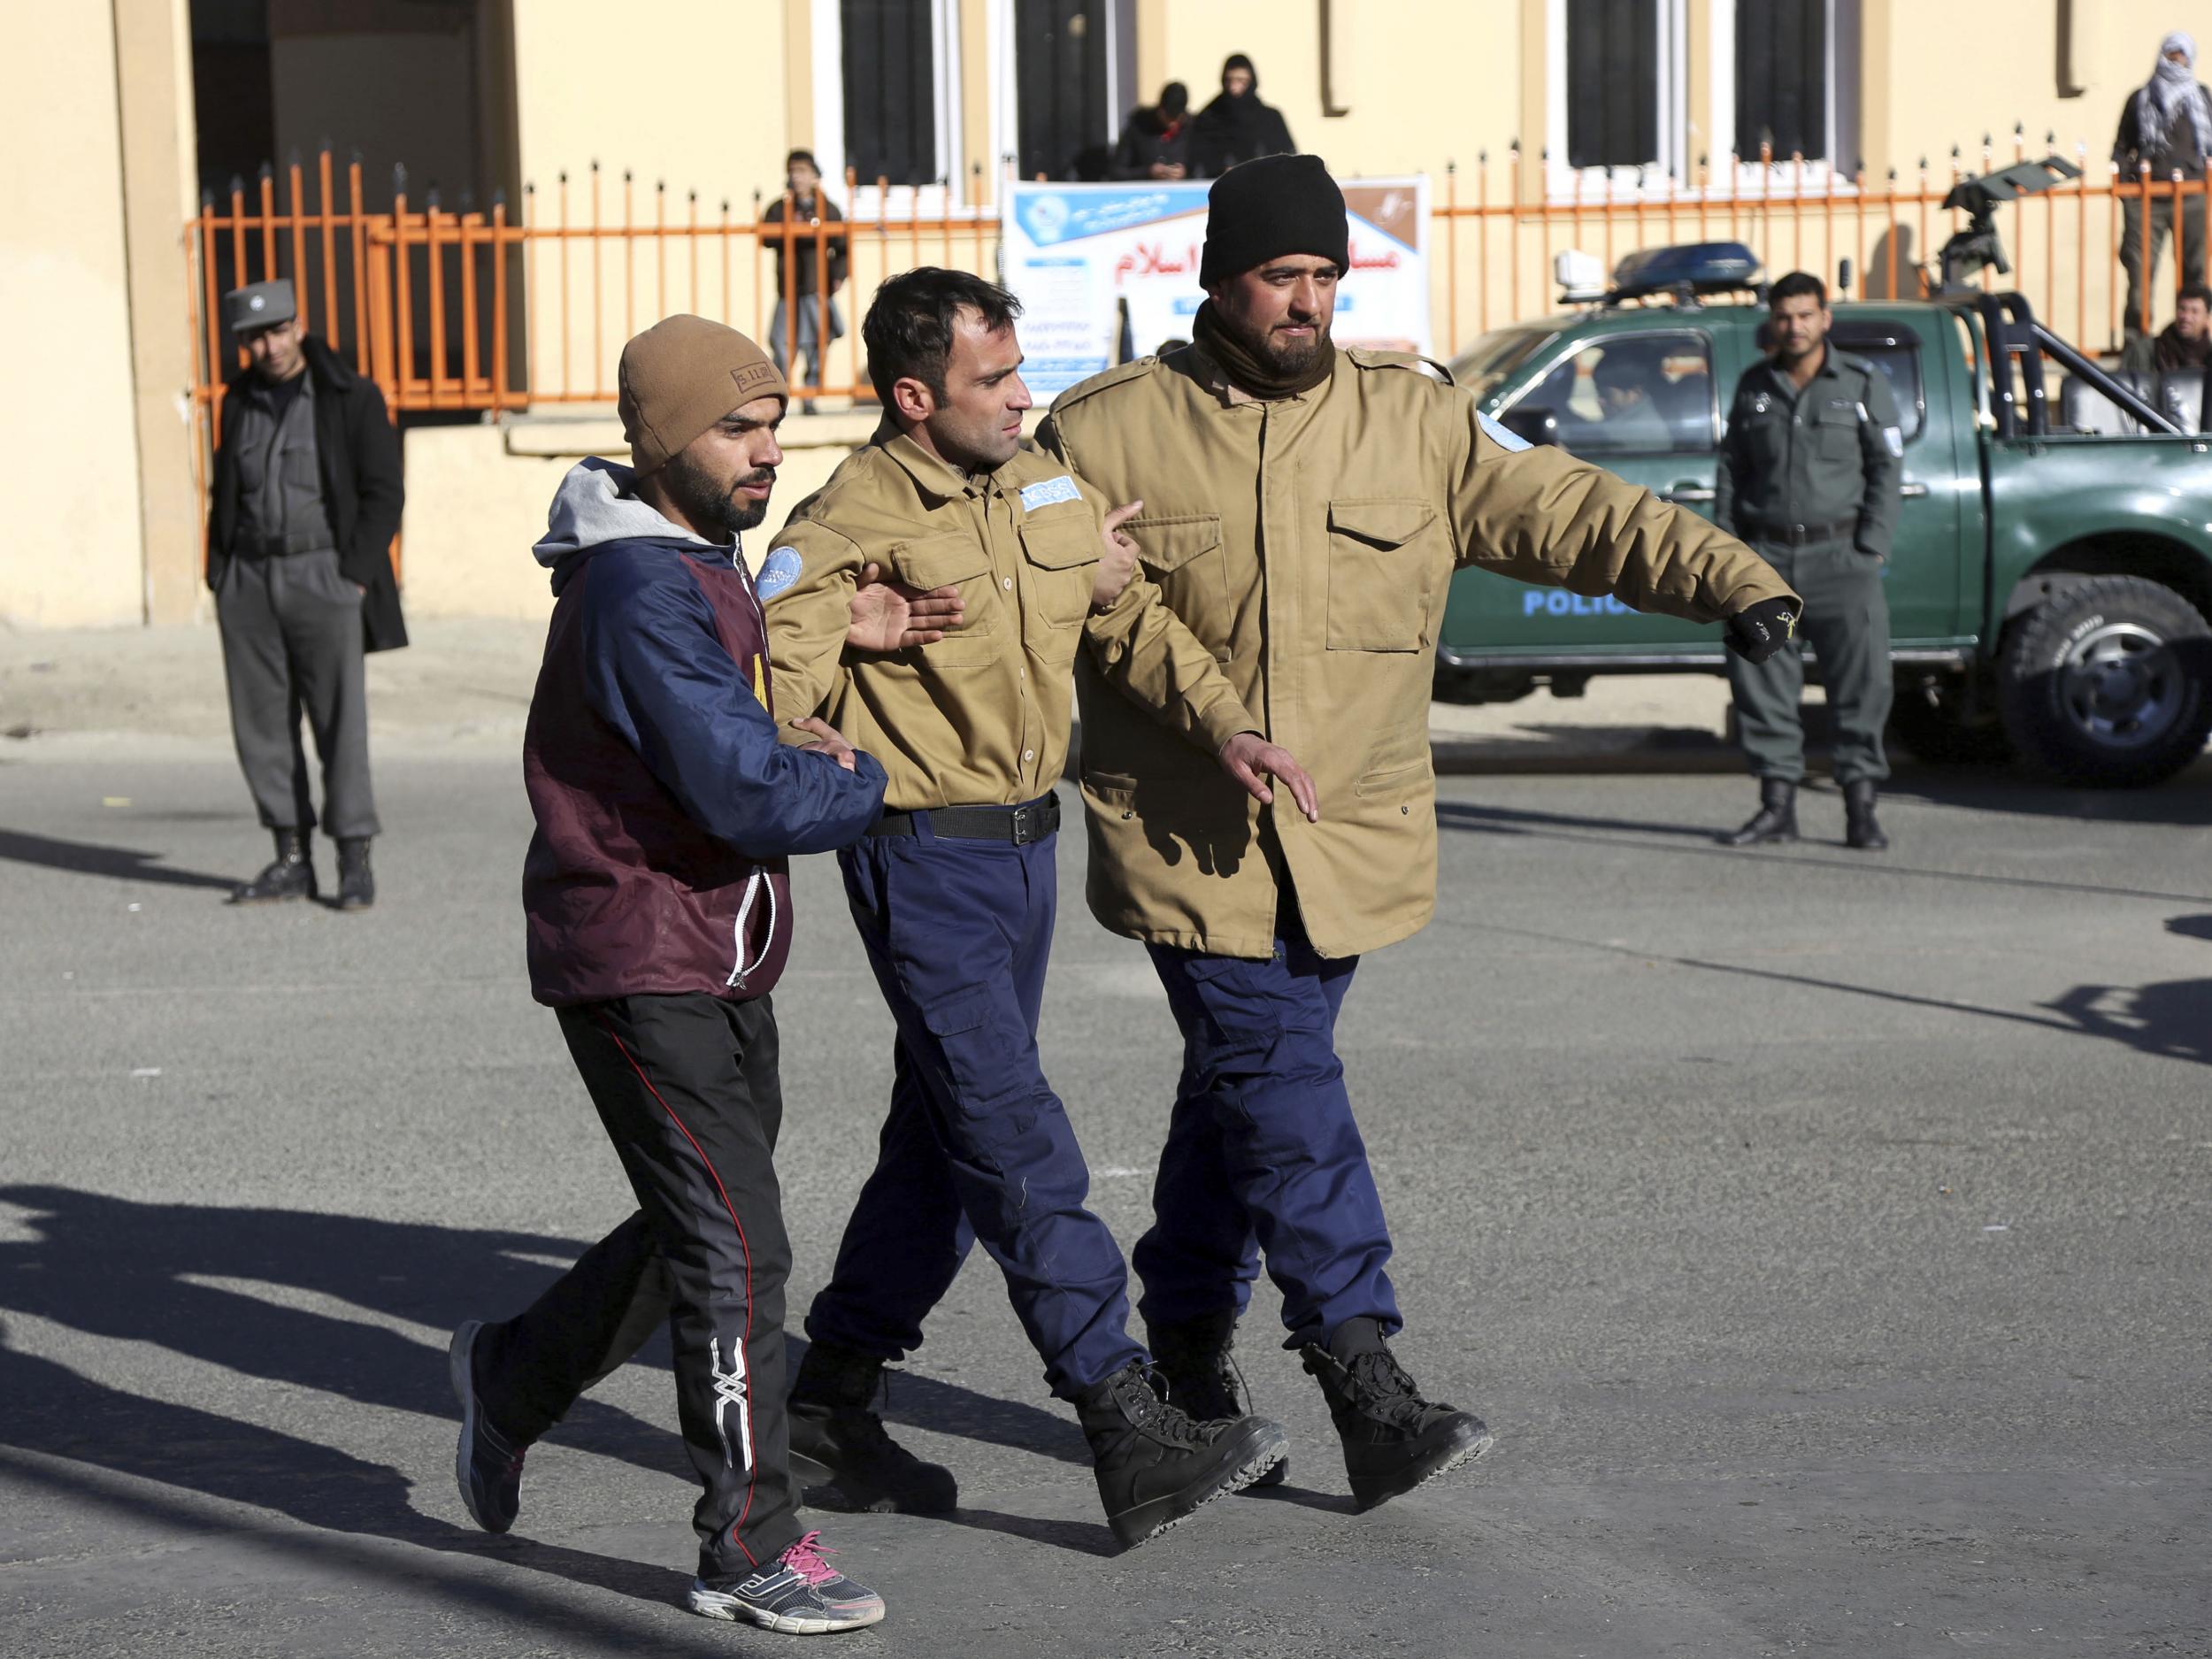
x: 981, y: 718
x: 1310, y: 543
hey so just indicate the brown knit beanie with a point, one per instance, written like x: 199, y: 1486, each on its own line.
x: 683, y: 375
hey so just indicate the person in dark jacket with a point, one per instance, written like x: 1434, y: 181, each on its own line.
x: 2166, y: 125
x: 2184, y: 343
x: 1156, y: 143
x: 659, y: 914
x: 1236, y: 125
x: 307, y: 498
x: 798, y: 279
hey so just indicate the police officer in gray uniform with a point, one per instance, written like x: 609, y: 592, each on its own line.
x: 307, y: 497
x: 1808, y: 476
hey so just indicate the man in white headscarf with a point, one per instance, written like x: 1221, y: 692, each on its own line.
x: 2167, y: 127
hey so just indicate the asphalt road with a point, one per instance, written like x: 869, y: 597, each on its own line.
x: 1824, y: 1237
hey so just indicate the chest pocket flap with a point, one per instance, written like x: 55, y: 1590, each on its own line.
x: 1167, y: 544
x: 1061, y: 541
x: 1383, y: 522
x: 940, y: 561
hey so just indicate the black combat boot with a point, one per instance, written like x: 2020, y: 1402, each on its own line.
x: 1860, y: 830
x: 840, y: 1449
x: 1776, y: 820
x: 357, y: 882
x: 291, y: 877
x: 1393, y: 1440
x: 1202, y: 1378
x: 1155, y: 1465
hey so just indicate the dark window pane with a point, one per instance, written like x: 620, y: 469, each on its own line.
x: 1899, y: 361
x: 890, y: 106
x: 1782, y: 76
x: 1634, y: 394
x: 1612, y: 82
x: 1060, y: 79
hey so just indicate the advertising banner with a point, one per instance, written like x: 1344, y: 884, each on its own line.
x: 1080, y: 257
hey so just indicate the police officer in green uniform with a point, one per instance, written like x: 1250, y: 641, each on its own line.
x: 1808, y: 476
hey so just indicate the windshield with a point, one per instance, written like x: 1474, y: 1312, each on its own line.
x: 1496, y: 355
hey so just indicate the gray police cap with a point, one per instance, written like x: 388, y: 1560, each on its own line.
x: 260, y: 304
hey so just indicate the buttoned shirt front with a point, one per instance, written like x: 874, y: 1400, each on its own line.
x: 981, y: 716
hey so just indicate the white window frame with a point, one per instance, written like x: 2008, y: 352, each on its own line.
x: 1666, y: 173
x: 948, y: 200
x: 1822, y: 171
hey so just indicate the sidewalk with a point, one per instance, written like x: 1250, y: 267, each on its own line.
x: 466, y: 685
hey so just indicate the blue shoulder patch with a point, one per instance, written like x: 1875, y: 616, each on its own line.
x: 1500, y: 436
x: 777, y: 571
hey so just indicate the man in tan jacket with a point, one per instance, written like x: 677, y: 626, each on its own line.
x: 954, y: 892
x: 1304, y: 511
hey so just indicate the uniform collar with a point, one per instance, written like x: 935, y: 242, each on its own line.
x: 1208, y: 373
x: 1828, y: 366
x: 936, y: 476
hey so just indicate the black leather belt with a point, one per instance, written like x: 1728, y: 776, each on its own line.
x: 1807, y: 534
x: 1032, y: 821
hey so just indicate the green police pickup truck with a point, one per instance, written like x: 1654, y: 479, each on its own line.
x: 2052, y: 572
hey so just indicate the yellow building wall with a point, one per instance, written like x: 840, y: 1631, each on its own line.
x: 698, y: 100
x: 73, y: 555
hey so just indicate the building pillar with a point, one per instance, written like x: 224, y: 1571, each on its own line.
x: 153, y: 72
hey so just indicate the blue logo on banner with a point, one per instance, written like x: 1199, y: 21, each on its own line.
x: 1051, y: 216
x: 777, y: 571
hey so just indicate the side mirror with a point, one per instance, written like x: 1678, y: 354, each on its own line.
x: 1532, y: 425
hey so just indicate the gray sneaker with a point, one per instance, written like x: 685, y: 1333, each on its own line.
x: 486, y: 1465
x: 798, y: 1594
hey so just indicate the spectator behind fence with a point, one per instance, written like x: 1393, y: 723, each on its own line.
x: 2167, y: 126
x: 1156, y: 143
x: 2184, y: 343
x: 809, y: 207
x: 308, y: 490
x: 1236, y: 125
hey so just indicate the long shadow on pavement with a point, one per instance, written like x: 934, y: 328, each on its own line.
x: 1469, y: 816
x: 141, y: 1273
x: 88, y: 858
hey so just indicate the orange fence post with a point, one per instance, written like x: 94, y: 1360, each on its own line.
x: 691, y: 247
x: 434, y: 262
x: 268, y: 223
x: 660, y: 248
x: 294, y: 184
x: 2143, y: 218
x: 359, y: 232
x: 403, y: 309
x: 599, y: 359
x: 472, y: 239
x: 499, y: 299
x: 330, y: 251
x: 725, y: 259
x: 629, y: 258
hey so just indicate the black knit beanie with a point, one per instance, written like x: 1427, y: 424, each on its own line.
x: 1267, y: 207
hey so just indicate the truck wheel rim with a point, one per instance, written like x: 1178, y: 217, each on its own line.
x: 2121, y: 687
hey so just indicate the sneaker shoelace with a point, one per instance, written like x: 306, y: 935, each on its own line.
x: 805, y: 1559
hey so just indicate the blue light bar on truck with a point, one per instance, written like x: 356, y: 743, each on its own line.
x: 1697, y: 267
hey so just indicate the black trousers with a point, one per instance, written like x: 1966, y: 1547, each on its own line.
x: 688, y: 1090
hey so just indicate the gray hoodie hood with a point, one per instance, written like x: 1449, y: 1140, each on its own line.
x: 595, y: 506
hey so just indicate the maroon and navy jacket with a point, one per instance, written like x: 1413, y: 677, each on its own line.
x: 665, y: 805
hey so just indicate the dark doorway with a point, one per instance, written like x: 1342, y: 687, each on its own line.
x: 890, y: 69
x: 1062, y: 49
x: 1612, y: 82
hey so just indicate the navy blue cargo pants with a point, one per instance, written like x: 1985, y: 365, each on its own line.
x: 977, y: 1146
x: 1262, y: 1152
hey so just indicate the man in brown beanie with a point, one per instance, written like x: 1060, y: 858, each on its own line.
x: 1368, y: 481
x: 659, y: 915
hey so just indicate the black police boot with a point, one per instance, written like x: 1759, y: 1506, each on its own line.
x: 840, y: 1449
x: 1860, y: 830
x: 1393, y: 1440
x: 1202, y: 1378
x: 291, y: 877
x: 356, y: 883
x: 1155, y: 1465
x: 1776, y: 820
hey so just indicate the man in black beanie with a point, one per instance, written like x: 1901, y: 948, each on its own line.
x: 1368, y: 480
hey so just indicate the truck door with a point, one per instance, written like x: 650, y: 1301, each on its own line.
x: 1922, y: 574
x: 1642, y: 404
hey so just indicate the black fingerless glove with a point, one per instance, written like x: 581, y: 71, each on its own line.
x: 1756, y: 632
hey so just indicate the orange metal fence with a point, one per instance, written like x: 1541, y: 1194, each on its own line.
x: 2063, y: 244
x: 470, y: 310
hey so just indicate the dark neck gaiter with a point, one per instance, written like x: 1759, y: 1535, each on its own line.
x: 1250, y: 373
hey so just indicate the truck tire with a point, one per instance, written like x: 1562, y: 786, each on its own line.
x: 1931, y: 717
x: 2108, y: 684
